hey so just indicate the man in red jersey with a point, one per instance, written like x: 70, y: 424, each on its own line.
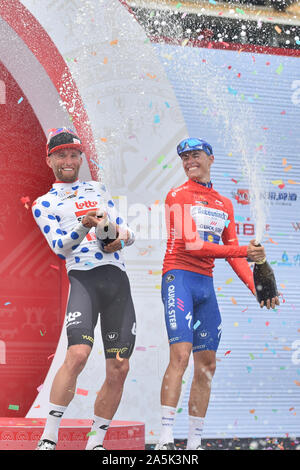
x: 197, y: 218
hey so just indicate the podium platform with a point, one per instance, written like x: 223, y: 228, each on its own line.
x: 24, y: 434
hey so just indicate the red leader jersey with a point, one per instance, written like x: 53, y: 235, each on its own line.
x: 197, y: 218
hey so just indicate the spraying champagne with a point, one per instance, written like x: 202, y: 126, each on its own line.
x: 265, y: 283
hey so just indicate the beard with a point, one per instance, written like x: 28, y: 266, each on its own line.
x: 65, y: 177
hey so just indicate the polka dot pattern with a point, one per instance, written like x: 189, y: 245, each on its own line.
x: 58, y: 215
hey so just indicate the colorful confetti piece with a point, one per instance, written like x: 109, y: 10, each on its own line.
x: 81, y: 391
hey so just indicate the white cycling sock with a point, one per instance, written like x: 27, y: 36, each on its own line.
x: 196, y: 425
x: 53, y: 422
x: 97, y: 432
x: 167, y: 423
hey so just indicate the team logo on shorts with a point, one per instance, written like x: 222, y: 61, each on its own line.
x: 71, y: 318
x: 170, y: 278
x: 112, y: 336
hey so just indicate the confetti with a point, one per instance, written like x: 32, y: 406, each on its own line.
x: 279, y: 69
x: 292, y: 182
x: 233, y: 301
x: 227, y: 352
x: 232, y: 91
x: 20, y: 100
x: 7, y: 303
x: 81, y: 391
x: 277, y: 29
x: 114, y: 42
x: 91, y: 433
x: 54, y: 266
x: 97, y: 164
x: 179, y: 5
x: 160, y: 159
x: 25, y: 200
x: 51, y: 355
x: 229, y: 281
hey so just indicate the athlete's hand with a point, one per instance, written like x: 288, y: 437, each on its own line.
x: 119, y: 242
x: 90, y: 220
x: 270, y: 303
x: 254, y: 252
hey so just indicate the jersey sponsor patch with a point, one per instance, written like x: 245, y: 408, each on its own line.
x: 210, y: 222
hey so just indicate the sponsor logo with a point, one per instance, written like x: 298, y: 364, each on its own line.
x: 172, y: 340
x: 57, y: 414
x: 201, y: 202
x: 80, y: 214
x: 242, y: 196
x: 67, y: 194
x: 171, y: 307
x: 220, y: 203
x: 296, y: 226
x: 104, y: 427
x: 170, y: 277
x: 189, y: 318
x: 71, y: 318
x: 117, y: 350
x: 112, y: 336
x: 89, y: 338
x: 86, y: 204
x: 177, y: 190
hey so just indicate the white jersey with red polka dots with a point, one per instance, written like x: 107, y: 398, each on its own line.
x: 59, y: 213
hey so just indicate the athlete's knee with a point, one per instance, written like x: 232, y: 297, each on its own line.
x: 116, y: 371
x: 180, y: 360
x: 76, y: 358
x: 205, y: 370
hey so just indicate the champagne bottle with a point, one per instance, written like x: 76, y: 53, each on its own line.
x: 264, y: 281
x: 105, y: 231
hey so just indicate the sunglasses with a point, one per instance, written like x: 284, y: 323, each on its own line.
x: 194, y: 144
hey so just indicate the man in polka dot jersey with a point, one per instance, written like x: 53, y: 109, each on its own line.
x: 67, y: 217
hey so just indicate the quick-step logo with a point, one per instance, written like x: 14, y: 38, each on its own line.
x: 171, y: 305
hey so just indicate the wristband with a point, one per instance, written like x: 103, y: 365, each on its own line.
x: 122, y: 244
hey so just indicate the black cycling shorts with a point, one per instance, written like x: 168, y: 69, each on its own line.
x: 103, y: 290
